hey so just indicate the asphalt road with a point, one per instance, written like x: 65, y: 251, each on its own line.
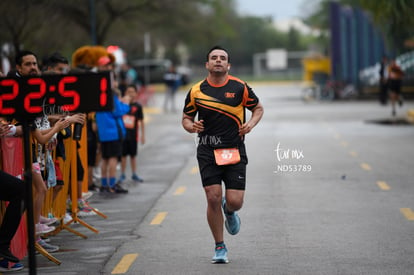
x: 328, y: 192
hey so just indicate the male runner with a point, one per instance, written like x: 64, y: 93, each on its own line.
x: 220, y: 101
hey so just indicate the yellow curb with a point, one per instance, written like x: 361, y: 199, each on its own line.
x: 152, y: 110
x: 410, y: 116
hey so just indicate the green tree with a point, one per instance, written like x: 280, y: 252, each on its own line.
x: 16, y: 21
x: 253, y: 35
x: 394, y: 17
x: 49, y: 25
x: 197, y: 24
x: 105, y: 12
x: 293, y: 39
x: 45, y: 26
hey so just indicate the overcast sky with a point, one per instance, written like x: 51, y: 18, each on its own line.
x: 278, y: 9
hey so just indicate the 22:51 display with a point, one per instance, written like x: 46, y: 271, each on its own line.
x: 23, y: 97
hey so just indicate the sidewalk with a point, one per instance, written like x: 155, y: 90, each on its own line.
x: 125, y: 212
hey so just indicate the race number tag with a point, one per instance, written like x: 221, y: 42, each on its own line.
x: 129, y: 121
x: 227, y: 156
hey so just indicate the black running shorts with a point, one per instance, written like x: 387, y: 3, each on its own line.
x: 111, y: 149
x: 129, y: 147
x: 233, y: 176
x: 395, y: 86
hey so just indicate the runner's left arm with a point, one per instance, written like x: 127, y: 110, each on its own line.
x: 257, y: 113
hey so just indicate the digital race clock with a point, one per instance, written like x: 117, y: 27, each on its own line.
x: 23, y: 97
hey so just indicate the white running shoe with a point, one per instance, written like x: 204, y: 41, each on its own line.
x: 47, y: 221
x: 68, y: 218
x: 43, y: 228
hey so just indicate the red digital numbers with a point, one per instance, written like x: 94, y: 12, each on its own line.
x: 103, y: 96
x: 36, y: 94
x: 6, y: 97
x: 89, y: 92
x: 69, y: 93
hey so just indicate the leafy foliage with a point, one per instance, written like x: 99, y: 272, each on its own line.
x: 46, y: 26
x: 395, y: 17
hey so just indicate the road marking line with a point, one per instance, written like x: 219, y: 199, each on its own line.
x: 159, y: 218
x: 383, y: 185
x: 408, y: 213
x: 194, y: 170
x: 152, y: 110
x: 147, y: 119
x: 124, y: 264
x: 353, y: 153
x: 180, y: 190
x: 366, y: 166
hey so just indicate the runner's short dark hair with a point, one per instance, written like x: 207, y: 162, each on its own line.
x: 217, y: 47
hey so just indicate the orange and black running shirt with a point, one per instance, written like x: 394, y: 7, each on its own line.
x: 223, y: 110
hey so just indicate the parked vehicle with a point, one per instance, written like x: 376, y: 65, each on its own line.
x: 151, y: 70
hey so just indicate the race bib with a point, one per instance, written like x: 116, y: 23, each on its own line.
x: 227, y: 156
x: 129, y: 121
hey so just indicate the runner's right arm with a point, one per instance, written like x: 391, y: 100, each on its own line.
x: 192, y: 126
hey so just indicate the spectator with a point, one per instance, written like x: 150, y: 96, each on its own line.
x: 93, y: 153
x: 395, y: 74
x: 172, y: 81
x: 27, y: 65
x: 383, y: 82
x: 12, y: 190
x: 57, y: 63
x: 127, y: 76
x: 111, y: 132
x: 134, y: 122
